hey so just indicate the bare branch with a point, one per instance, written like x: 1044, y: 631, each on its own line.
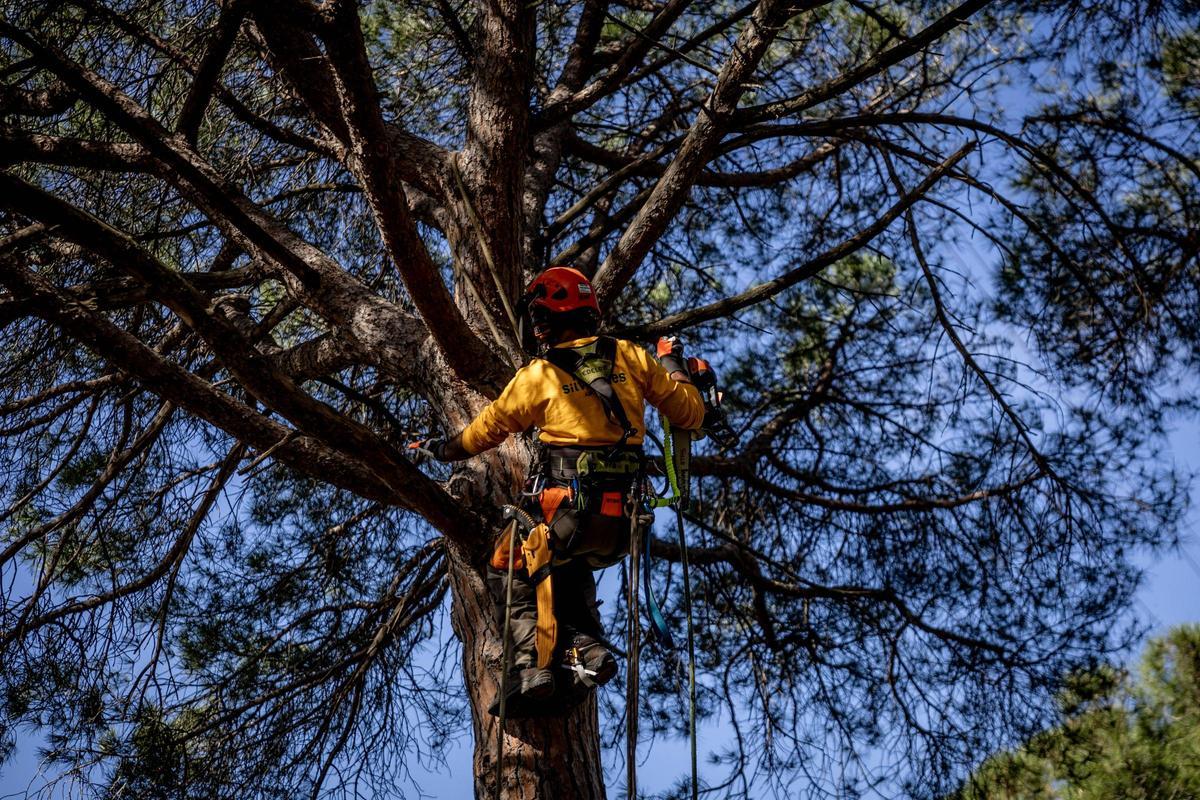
x: 873, y: 66
x: 209, y: 71
x: 172, y: 557
x: 810, y: 268
x: 968, y: 359
x: 567, y: 105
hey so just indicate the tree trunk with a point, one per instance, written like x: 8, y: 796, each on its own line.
x: 556, y: 758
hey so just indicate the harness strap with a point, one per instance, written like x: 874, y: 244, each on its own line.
x: 570, y: 360
x: 538, y: 558
x: 541, y: 574
x: 658, y: 623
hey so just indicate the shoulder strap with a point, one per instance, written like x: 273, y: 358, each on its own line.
x: 597, y: 377
x: 606, y: 348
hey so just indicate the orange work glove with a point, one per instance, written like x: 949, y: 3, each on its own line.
x: 670, y: 354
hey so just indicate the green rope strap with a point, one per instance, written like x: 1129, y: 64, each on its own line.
x: 669, y: 462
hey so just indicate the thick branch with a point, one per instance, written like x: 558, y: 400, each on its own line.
x: 386, y: 334
x: 257, y: 374
x: 371, y: 158
x: 18, y: 145
x: 175, y: 384
x: 259, y: 123
x: 697, y: 148
x: 294, y: 54
x: 314, y: 358
x: 493, y: 161
x: 466, y: 49
x: 547, y: 150
x: 673, y: 54
x: 209, y: 72
x: 48, y: 102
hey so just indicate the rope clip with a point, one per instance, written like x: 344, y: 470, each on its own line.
x: 582, y: 673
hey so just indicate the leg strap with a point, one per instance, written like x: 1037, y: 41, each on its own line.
x: 537, y: 560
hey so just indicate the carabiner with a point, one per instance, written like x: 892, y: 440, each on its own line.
x: 538, y: 483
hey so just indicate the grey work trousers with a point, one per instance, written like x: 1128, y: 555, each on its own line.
x: 599, y: 541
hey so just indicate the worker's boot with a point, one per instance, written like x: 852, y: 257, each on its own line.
x: 536, y: 684
x: 590, y: 661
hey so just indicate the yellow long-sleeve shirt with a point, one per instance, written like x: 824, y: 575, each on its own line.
x: 542, y: 395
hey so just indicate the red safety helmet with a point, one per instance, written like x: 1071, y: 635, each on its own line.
x: 562, y: 289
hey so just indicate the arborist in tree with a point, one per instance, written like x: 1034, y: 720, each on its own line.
x: 585, y: 396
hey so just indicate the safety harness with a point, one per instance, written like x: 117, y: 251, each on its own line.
x: 592, y: 366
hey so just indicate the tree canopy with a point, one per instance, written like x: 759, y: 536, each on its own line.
x: 944, y: 256
x: 1124, y: 735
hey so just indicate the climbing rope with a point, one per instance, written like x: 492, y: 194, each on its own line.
x: 634, y: 636
x: 506, y: 657
x: 677, y: 477
x: 676, y: 460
